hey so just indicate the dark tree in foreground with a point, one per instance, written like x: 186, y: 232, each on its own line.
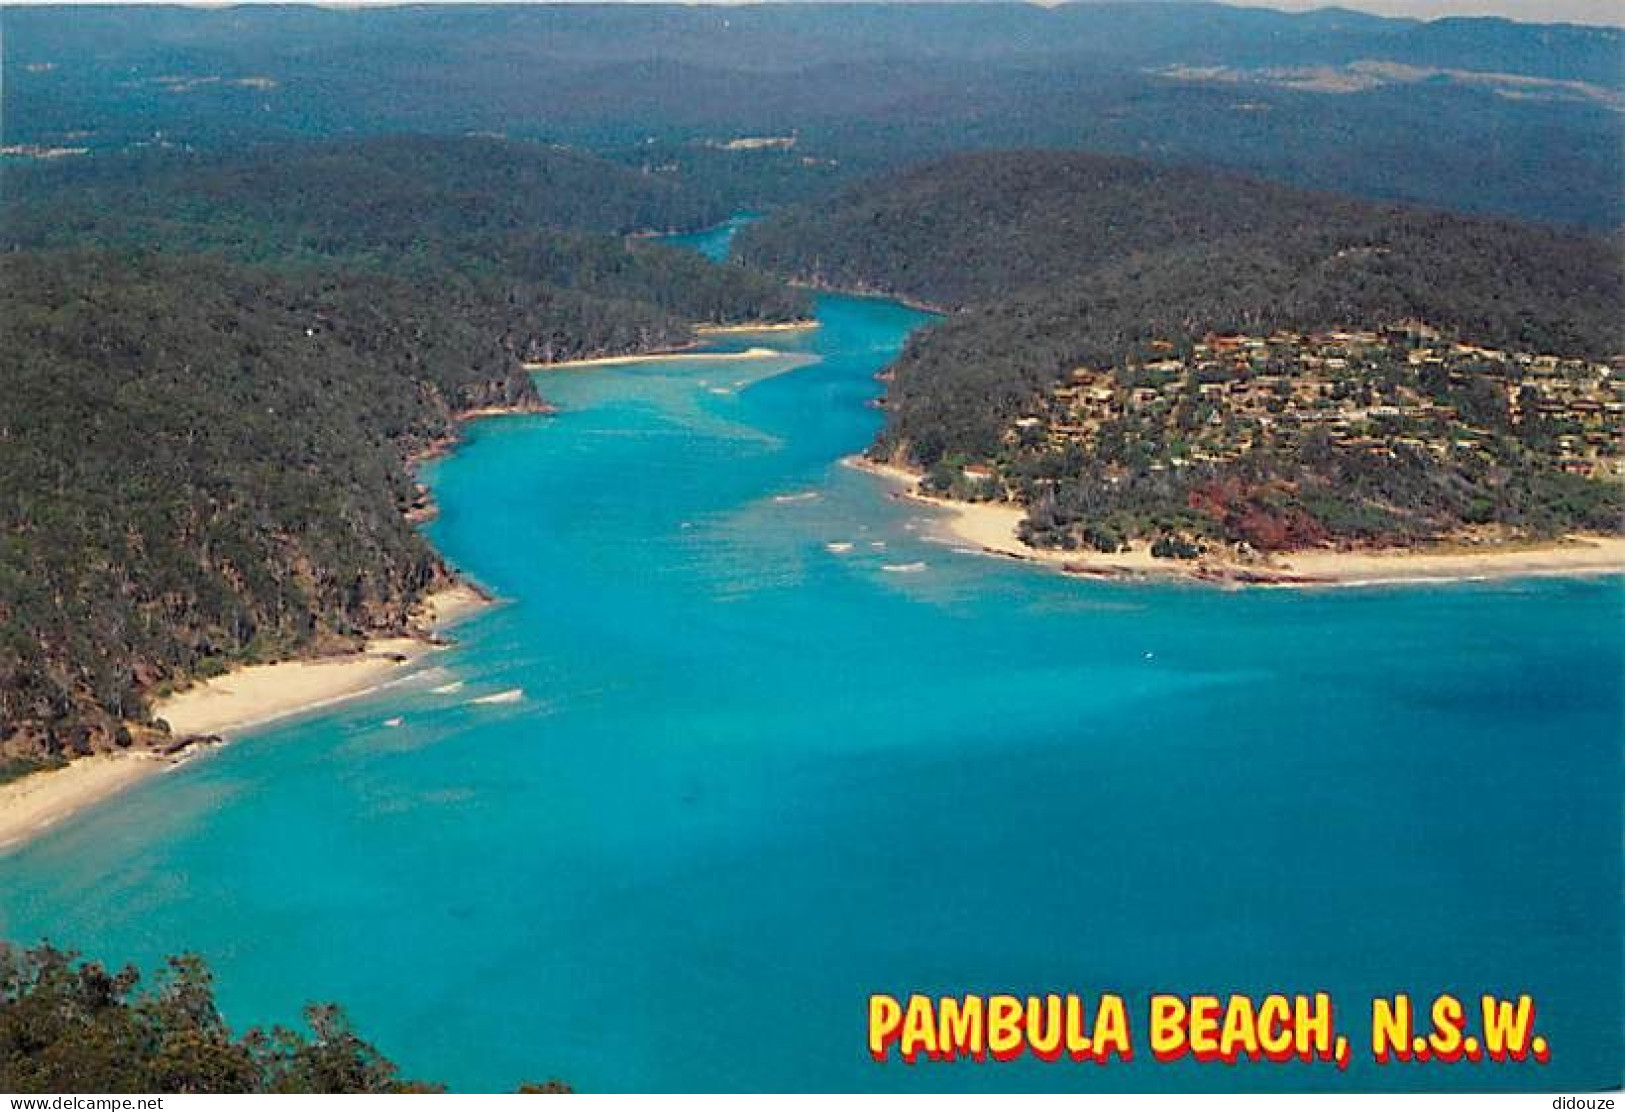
x: 68, y: 1025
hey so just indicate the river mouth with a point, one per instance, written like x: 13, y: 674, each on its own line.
x: 741, y: 742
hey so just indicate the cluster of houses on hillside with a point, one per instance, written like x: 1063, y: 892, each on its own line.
x: 1371, y: 391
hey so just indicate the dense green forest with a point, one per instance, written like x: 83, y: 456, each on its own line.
x: 1479, y: 114
x: 1050, y: 262
x: 245, y: 354
x: 73, y: 1026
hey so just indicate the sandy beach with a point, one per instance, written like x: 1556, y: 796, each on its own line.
x: 990, y: 527
x: 659, y: 357
x: 1577, y: 555
x: 746, y: 329
x: 260, y: 693
x: 33, y: 803
x: 242, y: 699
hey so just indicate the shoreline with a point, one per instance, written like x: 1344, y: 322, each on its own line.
x: 746, y: 329
x: 251, y: 696
x: 990, y: 528
x: 242, y: 699
x: 254, y: 695
x: 32, y: 804
x: 257, y: 694
x: 522, y: 409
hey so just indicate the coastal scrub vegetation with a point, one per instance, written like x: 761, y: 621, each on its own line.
x: 218, y: 373
x: 75, y: 1026
x: 68, y: 1025
x: 1112, y: 322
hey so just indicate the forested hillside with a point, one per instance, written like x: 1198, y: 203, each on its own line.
x: 478, y: 207
x: 975, y: 227
x: 1059, y: 266
x: 218, y: 371
x: 379, y: 188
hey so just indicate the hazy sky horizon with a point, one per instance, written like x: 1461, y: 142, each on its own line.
x: 1604, y: 12
x: 1609, y: 13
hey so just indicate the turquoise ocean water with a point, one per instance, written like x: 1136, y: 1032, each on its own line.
x: 750, y: 780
